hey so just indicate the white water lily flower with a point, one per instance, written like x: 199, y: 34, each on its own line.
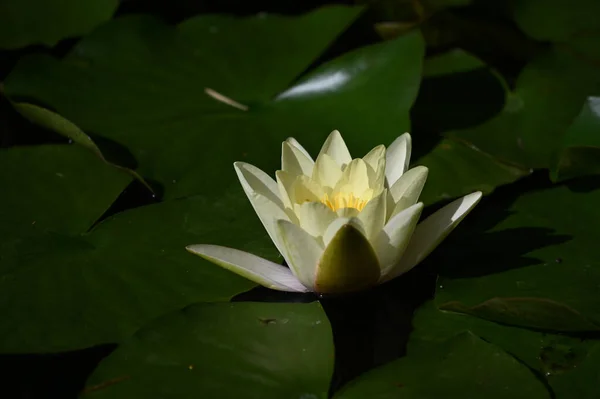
x: 341, y: 224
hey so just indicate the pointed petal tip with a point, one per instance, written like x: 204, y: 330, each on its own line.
x: 249, y: 266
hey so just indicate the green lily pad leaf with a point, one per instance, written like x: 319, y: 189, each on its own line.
x: 580, y: 153
x: 60, y: 188
x: 582, y: 383
x: 456, y: 169
x: 568, y: 364
x: 535, y: 268
x: 226, y: 350
x: 333, y: 96
x: 462, y: 366
x: 556, y: 20
x: 458, y: 91
x: 55, y: 122
x: 549, y: 94
x: 71, y: 293
x: 204, y: 95
x: 26, y: 22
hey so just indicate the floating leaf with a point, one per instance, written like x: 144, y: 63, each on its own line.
x: 59, y: 188
x: 26, y: 22
x: 567, y: 363
x: 580, y: 153
x: 531, y: 262
x: 165, y: 93
x: 462, y: 366
x: 549, y: 94
x: 71, y: 293
x: 250, y: 350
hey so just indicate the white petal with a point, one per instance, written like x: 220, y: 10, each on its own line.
x: 397, y: 158
x: 294, y: 161
x: 326, y: 171
x: 314, y: 217
x: 336, y: 148
x: 303, y: 252
x: 296, y: 144
x: 255, y: 180
x: 375, y: 161
x: 375, y: 156
x: 405, y: 192
x: 252, y: 267
x: 395, y: 237
x: 268, y: 211
x: 285, y: 183
x: 373, y: 215
x: 432, y: 231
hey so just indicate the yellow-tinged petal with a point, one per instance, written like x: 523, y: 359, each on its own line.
x: 373, y: 215
x: 252, y: 267
x: 375, y: 161
x: 326, y: 171
x: 407, y: 189
x: 347, y: 212
x: 393, y: 240
x: 397, y: 158
x: 303, y: 252
x: 336, y: 148
x: 304, y: 189
x: 314, y: 217
x: 348, y: 264
x: 294, y: 161
x: 432, y: 231
x: 355, y: 179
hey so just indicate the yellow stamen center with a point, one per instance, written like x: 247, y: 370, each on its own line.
x: 343, y: 200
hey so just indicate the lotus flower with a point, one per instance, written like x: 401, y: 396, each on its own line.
x: 341, y: 224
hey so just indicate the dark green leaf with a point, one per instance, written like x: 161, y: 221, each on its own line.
x: 580, y: 153
x: 458, y: 91
x: 237, y: 350
x: 568, y: 364
x: 143, y: 85
x: 556, y: 20
x: 56, y: 123
x: 456, y: 169
x: 463, y: 366
x: 58, y: 188
x: 26, y: 22
x: 67, y: 293
x: 549, y: 94
x: 532, y: 262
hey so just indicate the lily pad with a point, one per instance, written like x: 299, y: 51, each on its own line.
x: 211, y: 90
x: 456, y: 168
x: 59, y: 188
x: 556, y: 20
x: 548, y: 96
x: 567, y: 364
x: 526, y: 262
x: 250, y: 350
x: 458, y: 91
x: 60, y: 293
x: 580, y: 149
x: 462, y: 366
x: 26, y: 22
